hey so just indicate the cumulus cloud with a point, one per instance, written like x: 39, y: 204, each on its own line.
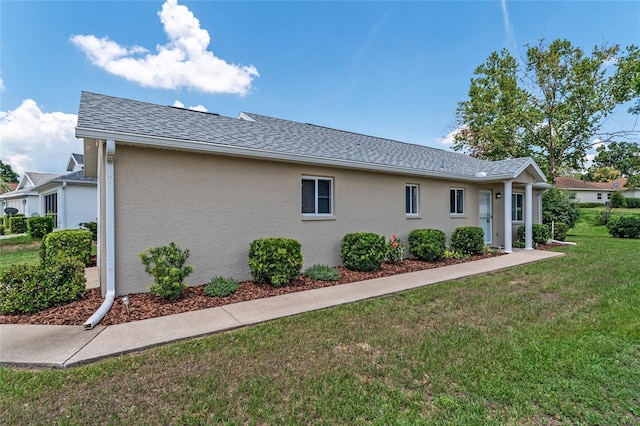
x: 184, y: 62
x: 448, y: 139
x: 36, y: 141
x: 198, y: 107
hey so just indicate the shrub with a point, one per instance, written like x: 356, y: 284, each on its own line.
x: 427, y: 244
x: 74, y: 243
x: 633, y: 203
x: 167, y: 266
x: 454, y: 254
x: 322, y: 273
x: 468, y: 239
x: 18, y: 224
x: 363, y: 251
x: 221, y: 287
x: 395, y: 250
x: 38, y: 227
x: 560, y: 231
x: 588, y: 205
x: 624, y: 226
x: 558, y: 206
x: 92, y: 227
x: 540, y: 234
x: 275, y: 260
x: 604, y: 216
x: 618, y: 200
x: 32, y: 288
x: 1, y: 230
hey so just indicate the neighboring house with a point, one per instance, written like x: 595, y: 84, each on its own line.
x: 213, y: 184
x: 594, y: 192
x: 70, y: 198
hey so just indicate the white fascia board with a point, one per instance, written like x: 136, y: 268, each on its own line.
x: 225, y: 149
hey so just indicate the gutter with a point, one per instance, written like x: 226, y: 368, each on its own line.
x: 110, y: 237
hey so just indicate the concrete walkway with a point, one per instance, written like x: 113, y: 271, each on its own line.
x: 64, y: 346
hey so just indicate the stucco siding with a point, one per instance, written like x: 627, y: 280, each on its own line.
x: 215, y: 206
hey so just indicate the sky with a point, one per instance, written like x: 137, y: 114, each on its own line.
x: 389, y: 69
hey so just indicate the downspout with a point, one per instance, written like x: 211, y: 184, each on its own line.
x: 110, y: 238
x: 62, y: 218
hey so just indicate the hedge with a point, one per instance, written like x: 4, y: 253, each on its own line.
x: 276, y: 261
x: 468, y: 239
x: 427, y: 244
x: 38, y: 227
x: 363, y: 251
x: 74, y: 243
x: 540, y: 234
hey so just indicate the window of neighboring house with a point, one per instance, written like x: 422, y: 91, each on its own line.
x: 411, y: 199
x: 517, y: 201
x: 608, y: 196
x: 456, y: 201
x: 317, y: 196
x: 599, y: 195
x: 51, y: 207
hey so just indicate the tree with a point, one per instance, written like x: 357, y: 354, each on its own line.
x: 623, y: 156
x: 602, y: 174
x: 549, y: 109
x: 559, y: 206
x: 7, y: 176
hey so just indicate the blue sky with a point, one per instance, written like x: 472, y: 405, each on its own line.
x: 388, y: 69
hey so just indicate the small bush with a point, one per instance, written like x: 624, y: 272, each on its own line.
x: 93, y: 228
x: 363, y: 251
x: 221, y: 287
x: 427, y: 244
x: 559, y: 206
x: 33, y: 288
x: 38, y: 227
x: 167, y: 266
x: 518, y: 244
x: 633, y: 203
x: 74, y: 243
x: 604, y: 216
x: 395, y: 250
x: 618, y: 200
x: 468, y: 239
x: 276, y: 261
x: 1, y: 230
x: 454, y: 254
x: 588, y: 205
x: 540, y: 233
x: 18, y: 224
x: 624, y: 226
x: 560, y: 231
x: 322, y: 273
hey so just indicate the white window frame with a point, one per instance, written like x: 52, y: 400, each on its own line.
x: 46, y: 202
x: 514, y: 206
x: 599, y: 195
x: 409, y: 189
x: 316, y: 179
x: 455, y: 211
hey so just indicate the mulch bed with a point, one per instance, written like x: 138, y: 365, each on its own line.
x: 147, y: 305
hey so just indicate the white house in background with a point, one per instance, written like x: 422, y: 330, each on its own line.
x: 71, y: 198
x: 595, y: 192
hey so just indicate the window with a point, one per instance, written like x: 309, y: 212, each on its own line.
x: 51, y: 206
x: 599, y: 195
x: 516, y: 207
x: 608, y: 196
x: 411, y: 199
x: 456, y: 201
x: 317, y: 196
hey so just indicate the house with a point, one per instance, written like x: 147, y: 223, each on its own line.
x: 594, y: 192
x: 70, y: 198
x: 213, y: 184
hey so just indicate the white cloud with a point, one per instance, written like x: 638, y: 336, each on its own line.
x: 508, y: 28
x: 184, y: 62
x: 37, y: 141
x: 1, y: 85
x: 448, y: 139
x: 198, y: 107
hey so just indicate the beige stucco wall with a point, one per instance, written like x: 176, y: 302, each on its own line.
x: 215, y: 206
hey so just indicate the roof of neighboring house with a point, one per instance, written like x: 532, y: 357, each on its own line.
x: 577, y: 184
x: 75, y: 177
x: 75, y: 160
x: 254, y: 135
x: 12, y: 186
x: 33, y: 179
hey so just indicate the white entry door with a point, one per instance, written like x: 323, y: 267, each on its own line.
x: 485, y: 215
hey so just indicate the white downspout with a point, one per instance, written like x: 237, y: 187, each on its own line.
x: 528, y: 217
x: 110, y: 239
x: 62, y: 206
x: 508, y: 231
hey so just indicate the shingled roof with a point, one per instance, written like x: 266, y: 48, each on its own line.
x: 571, y: 183
x: 254, y: 135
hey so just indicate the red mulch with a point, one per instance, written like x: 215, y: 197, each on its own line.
x: 148, y: 305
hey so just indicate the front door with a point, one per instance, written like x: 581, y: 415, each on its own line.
x: 485, y: 215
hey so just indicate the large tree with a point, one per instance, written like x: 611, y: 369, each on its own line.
x: 549, y: 108
x: 7, y: 176
x: 621, y: 156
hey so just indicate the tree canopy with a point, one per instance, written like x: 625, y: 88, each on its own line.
x: 550, y: 107
x: 7, y: 176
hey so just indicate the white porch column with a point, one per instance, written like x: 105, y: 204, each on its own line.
x: 508, y: 238
x: 528, y: 217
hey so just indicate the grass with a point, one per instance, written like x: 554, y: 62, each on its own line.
x: 555, y: 342
x: 20, y: 249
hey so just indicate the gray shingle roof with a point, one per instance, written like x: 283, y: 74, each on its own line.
x: 75, y: 177
x: 39, y: 178
x: 277, y: 138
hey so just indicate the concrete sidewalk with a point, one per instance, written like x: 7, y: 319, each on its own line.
x: 65, y: 346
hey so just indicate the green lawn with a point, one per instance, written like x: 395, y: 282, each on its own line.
x: 21, y: 249
x: 554, y: 342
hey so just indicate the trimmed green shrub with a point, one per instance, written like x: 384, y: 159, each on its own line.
x: 588, y: 205
x: 468, y: 239
x: 167, y: 266
x: 38, y: 227
x: 624, y: 226
x: 633, y: 203
x: 276, y: 261
x: 560, y: 231
x: 558, y: 206
x: 540, y: 233
x: 618, y: 200
x: 18, y: 224
x: 74, y: 243
x: 427, y: 244
x: 363, y: 251
x: 322, y: 273
x: 93, y: 227
x: 221, y: 287
x: 33, y: 288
